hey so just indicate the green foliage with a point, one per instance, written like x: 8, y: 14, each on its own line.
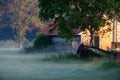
x: 21, y: 15
x: 29, y: 49
x: 4, y: 19
x: 71, y: 14
x: 114, y: 9
x: 42, y: 41
x: 24, y: 13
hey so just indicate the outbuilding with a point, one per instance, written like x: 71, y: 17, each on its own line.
x: 59, y: 44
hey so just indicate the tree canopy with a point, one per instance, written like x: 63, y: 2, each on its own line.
x: 4, y: 19
x: 24, y: 13
x: 71, y: 14
x: 16, y: 13
x: 22, y: 17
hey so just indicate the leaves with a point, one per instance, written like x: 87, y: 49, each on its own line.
x: 72, y: 14
x: 25, y: 12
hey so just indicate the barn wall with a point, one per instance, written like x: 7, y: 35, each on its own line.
x: 60, y: 44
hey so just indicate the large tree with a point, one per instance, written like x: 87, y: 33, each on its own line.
x: 4, y: 19
x: 24, y: 16
x: 115, y: 9
x: 71, y: 14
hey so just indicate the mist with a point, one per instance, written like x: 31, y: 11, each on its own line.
x: 18, y: 66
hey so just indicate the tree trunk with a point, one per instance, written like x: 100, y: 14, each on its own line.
x: 21, y: 39
x: 92, y: 40
x: 92, y: 37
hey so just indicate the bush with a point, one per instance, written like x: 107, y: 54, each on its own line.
x: 29, y: 49
x: 42, y: 41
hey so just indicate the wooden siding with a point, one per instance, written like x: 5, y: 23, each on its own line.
x: 60, y: 44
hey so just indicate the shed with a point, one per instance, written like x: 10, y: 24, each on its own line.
x: 59, y: 44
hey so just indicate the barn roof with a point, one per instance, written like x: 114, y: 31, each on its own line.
x: 46, y: 30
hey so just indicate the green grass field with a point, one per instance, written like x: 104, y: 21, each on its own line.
x: 18, y: 66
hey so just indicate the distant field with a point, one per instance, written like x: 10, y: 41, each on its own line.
x: 18, y: 66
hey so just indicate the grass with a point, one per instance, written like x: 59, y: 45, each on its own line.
x: 69, y: 56
x: 55, y: 66
x: 104, y: 62
x: 62, y: 56
x: 111, y: 64
x: 59, y: 58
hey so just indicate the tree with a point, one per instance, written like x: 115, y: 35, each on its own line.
x: 71, y: 14
x: 114, y: 10
x: 4, y: 19
x: 24, y: 16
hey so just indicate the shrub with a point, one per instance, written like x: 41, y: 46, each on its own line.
x: 28, y: 49
x: 42, y: 41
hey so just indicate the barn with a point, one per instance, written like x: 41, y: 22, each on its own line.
x: 59, y: 44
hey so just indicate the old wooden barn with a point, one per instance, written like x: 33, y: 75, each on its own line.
x: 59, y: 44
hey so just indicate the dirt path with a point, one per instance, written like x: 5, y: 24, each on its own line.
x: 17, y: 66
